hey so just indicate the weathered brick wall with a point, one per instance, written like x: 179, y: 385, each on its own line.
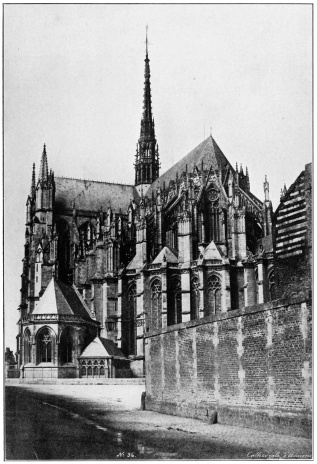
x: 251, y: 366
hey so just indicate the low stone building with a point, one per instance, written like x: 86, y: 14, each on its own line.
x: 103, y: 359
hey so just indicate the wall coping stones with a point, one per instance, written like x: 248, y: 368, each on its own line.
x: 262, y: 307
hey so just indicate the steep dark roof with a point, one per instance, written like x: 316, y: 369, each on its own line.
x: 60, y: 298
x: 208, y: 152
x: 90, y: 195
x: 72, y: 299
x: 111, y: 347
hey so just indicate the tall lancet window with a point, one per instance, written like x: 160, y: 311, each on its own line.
x: 213, y: 220
x: 174, y: 313
x: 195, y: 299
x: 27, y: 346
x: 66, y: 346
x: 132, y: 319
x: 213, y: 296
x: 156, y: 304
x: 44, y: 346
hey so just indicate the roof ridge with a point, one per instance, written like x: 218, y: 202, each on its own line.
x: 96, y: 181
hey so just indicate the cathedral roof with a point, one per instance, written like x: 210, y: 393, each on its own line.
x: 165, y: 255
x: 212, y: 252
x: 90, y: 195
x: 60, y: 298
x: 102, y: 348
x: 208, y: 152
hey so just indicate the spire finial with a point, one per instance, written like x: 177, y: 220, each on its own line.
x: 146, y: 39
x: 33, y: 182
x: 43, y: 175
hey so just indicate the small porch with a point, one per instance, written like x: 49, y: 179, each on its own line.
x: 103, y: 359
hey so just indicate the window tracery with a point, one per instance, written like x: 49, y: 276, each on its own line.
x: 132, y: 299
x: 213, y: 295
x: 156, y: 304
x: 44, y: 346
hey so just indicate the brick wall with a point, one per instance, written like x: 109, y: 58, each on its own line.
x: 252, y: 367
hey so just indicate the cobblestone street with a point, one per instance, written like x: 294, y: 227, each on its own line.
x: 104, y: 422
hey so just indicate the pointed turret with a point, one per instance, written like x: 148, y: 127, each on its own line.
x: 266, y: 189
x: 45, y: 186
x: 43, y: 174
x: 247, y: 177
x: 147, y: 155
x: 267, y: 209
x: 32, y: 191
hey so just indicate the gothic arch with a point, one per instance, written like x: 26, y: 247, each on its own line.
x: 213, y: 295
x: 132, y: 303
x: 27, y: 347
x: 87, y: 233
x: 194, y: 298
x: 213, y: 212
x: 67, y: 346
x: 156, y: 303
x: 174, y: 309
x: 45, y: 345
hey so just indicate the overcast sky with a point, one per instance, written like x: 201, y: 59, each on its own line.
x: 73, y: 79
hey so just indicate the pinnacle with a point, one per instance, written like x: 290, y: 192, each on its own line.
x: 43, y: 174
x: 32, y: 192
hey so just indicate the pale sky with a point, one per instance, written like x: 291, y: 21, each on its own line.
x: 73, y: 79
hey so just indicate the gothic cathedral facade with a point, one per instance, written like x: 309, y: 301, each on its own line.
x: 118, y: 261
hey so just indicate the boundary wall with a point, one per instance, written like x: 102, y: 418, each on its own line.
x: 249, y: 367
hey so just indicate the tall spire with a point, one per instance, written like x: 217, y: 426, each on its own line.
x: 43, y: 174
x: 147, y: 123
x: 32, y: 192
x: 147, y: 157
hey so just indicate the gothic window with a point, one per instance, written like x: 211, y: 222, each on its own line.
x: 132, y: 319
x: 171, y: 225
x: 83, y: 369
x: 66, y: 347
x: 174, y: 314
x: 195, y: 298
x: 87, y: 233
x: 44, y: 346
x: 213, y: 219
x: 156, y: 304
x: 89, y: 369
x: 213, y: 295
x: 27, y: 346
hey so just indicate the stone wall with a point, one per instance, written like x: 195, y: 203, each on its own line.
x: 249, y: 367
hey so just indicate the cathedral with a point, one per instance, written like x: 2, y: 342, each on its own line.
x: 104, y: 264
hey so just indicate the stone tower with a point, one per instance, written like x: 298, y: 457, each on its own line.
x: 147, y: 155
